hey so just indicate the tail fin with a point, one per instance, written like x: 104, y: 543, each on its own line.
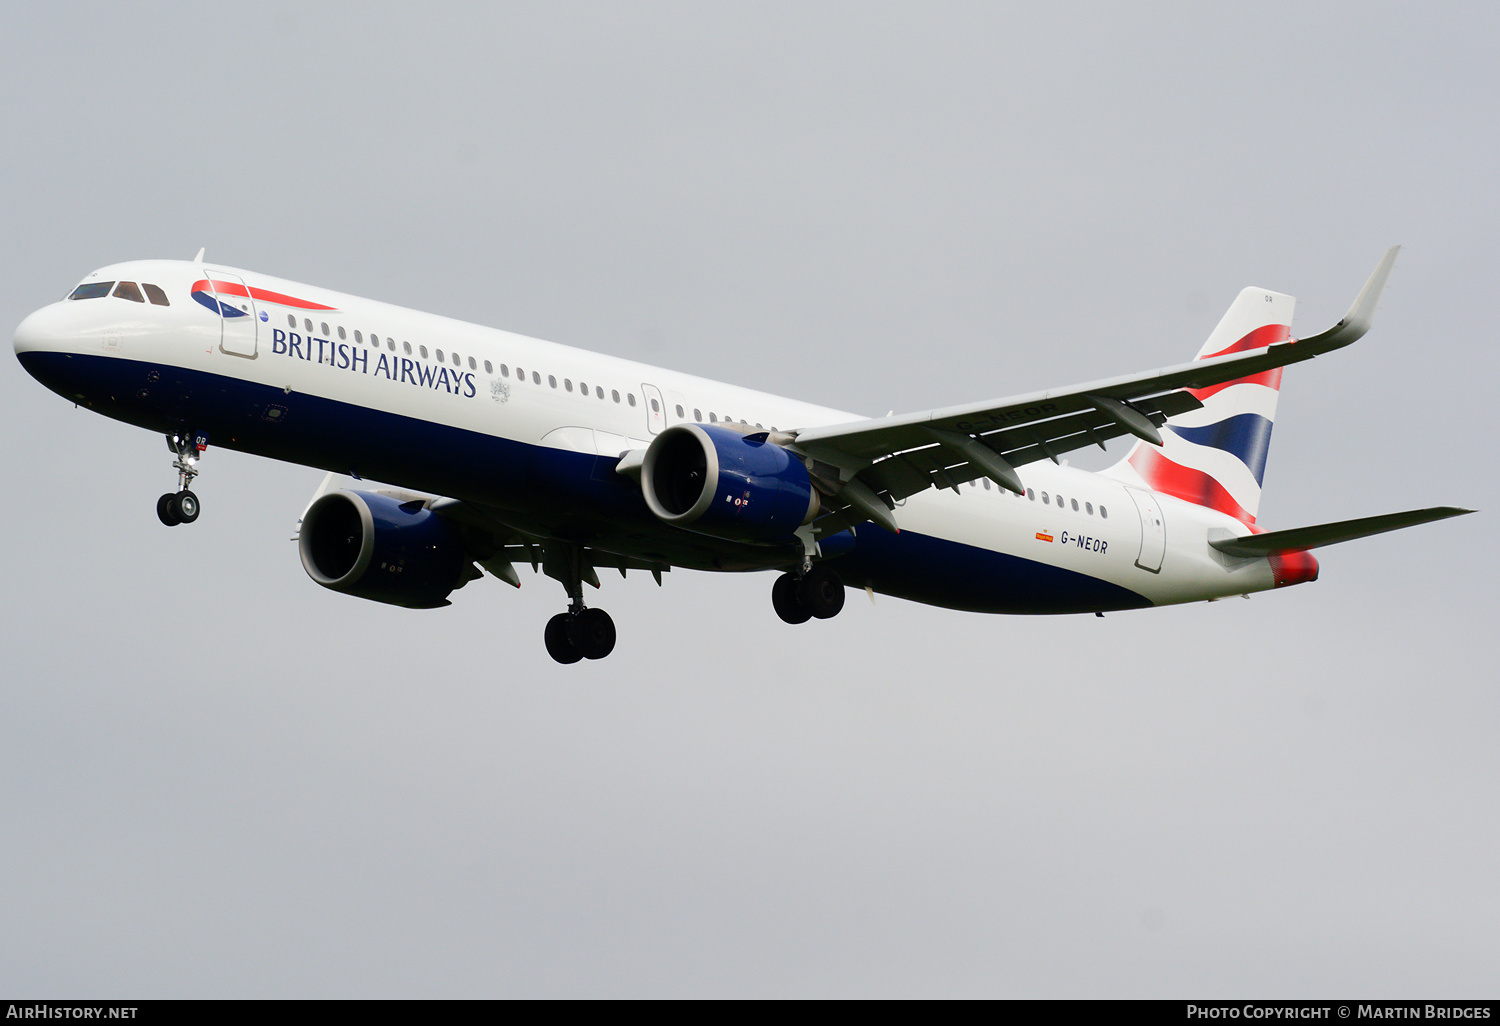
x: 1216, y: 456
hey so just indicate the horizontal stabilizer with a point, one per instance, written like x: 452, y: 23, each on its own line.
x: 1299, y: 539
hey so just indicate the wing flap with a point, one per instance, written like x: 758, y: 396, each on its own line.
x: 942, y: 466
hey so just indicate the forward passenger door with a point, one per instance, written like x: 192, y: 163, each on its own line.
x: 237, y: 314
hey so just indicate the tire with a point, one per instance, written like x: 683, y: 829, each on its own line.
x: 785, y: 600
x: 594, y: 631
x: 186, y: 505
x: 821, y: 592
x: 166, y: 510
x: 560, y: 639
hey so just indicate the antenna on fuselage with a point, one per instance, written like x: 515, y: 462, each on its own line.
x: 199, y: 258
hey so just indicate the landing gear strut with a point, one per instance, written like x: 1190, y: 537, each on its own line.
x: 817, y: 593
x: 182, y: 506
x: 580, y: 633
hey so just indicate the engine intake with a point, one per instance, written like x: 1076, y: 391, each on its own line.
x: 721, y: 482
x: 380, y: 548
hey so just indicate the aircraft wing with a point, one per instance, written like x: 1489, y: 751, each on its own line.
x: 872, y: 464
x: 496, y: 545
x: 502, y: 546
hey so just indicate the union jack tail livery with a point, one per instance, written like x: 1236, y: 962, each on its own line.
x: 1216, y: 456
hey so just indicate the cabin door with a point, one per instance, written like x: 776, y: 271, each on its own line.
x: 237, y: 313
x: 1153, y: 530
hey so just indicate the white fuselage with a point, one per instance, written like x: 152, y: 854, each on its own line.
x: 427, y: 402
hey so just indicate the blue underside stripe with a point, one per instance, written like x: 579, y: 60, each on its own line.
x: 550, y: 492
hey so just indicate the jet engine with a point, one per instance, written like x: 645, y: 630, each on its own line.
x: 381, y: 548
x: 719, y: 481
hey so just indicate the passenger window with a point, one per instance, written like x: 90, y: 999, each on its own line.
x: 488, y: 369
x: 155, y: 294
x: 307, y: 325
x: 390, y: 344
x: 291, y: 322
x: 474, y: 366
x: 324, y: 326
x: 616, y: 393
x: 128, y: 290
x: 599, y: 391
x: 630, y: 398
x: 679, y: 410
x: 358, y: 337
x: 568, y: 384
x: 712, y: 419
x: 552, y: 380
x: 986, y: 484
x: 536, y: 377
x: 1104, y: 512
x: 93, y: 290
x: 655, y: 406
x: 407, y: 347
x: 698, y: 415
x: 341, y: 332
x: 1089, y: 507
x: 439, y: 355
x: 1045, y: 500
x: 459, y: 363
x: 1031, y: 495
x: 423, y: 350
x: 1075, y: 505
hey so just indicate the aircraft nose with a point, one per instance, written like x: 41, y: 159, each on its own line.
x: 38, y: 332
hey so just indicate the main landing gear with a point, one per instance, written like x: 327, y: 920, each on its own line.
x: 182, y: 506
x: 817, y: 592
x: 580, y: 633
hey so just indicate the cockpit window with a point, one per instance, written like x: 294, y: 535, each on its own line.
x: 128, y: 290
x: 92, y: 290
x: 155, y: 294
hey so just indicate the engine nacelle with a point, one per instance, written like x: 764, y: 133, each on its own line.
x: 380, y: 548
x: 717, y: 481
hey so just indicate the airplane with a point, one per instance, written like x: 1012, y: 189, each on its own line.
x: 491, y: 450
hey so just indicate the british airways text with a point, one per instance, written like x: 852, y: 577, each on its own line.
x: 344, y: 356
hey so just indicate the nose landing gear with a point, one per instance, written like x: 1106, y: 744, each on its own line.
x: 182, y: 506
x: 176, y: 508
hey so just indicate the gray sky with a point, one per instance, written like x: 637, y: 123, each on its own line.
x: 217, y: 779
